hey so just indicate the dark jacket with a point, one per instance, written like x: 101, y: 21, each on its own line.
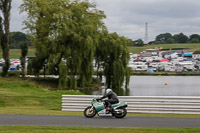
x: 111, y: 95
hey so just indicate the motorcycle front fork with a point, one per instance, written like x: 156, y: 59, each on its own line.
x: 91, y: 109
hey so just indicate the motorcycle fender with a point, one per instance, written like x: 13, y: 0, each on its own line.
x: 123, y: 106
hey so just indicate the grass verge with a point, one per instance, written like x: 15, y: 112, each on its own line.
x: 42, y: 111
x: 36, y: 129
x: 19, y: 96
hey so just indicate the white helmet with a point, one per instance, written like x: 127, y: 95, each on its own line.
x: 108, y: 90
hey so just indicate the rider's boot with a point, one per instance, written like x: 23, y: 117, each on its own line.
x: 109, y: 108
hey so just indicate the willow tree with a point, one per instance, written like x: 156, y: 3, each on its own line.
x: 112, y: 54
x: 5, y: 7
x: 66, y: 35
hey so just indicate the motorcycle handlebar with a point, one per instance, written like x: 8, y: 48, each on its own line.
x: 98, y: 99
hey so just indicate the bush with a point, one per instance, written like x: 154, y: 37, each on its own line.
x: 194, y: 40
x: 14, y: 73
x: 139, y: 42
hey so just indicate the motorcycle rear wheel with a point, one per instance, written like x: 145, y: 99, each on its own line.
x: 89, y: 112
x: 120, y: 113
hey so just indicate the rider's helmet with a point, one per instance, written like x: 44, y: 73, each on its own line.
x: 108, y: 90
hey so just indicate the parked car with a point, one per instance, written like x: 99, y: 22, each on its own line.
x: 138, y: 66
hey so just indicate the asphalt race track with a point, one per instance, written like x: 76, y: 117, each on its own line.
x: 81, y: 121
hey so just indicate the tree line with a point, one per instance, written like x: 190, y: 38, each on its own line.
x: 168, y: 38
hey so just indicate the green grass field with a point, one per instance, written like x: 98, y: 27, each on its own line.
x: 192, y: 47
x: 18, y: 96
x: 16, y: 53
x: 36, y: 129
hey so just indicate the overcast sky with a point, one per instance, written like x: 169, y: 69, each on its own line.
x: 128, y: 17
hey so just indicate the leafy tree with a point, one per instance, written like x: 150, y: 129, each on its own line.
x: 16, y: 38
x: 63, y: 75
x: 180, y: 38
x: 24, y: 52
x: 163, y: 37
x: 5, y: 7
x: 139, y: 42
x: 112, y: 51
x: 170, y: 40
x: 69, y: 34
x: 66, y: 34
x: 194, y: 38
x: 131, y: 42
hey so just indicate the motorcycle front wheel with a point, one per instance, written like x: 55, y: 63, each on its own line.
x: 90, y: 112
x: 120, y: 113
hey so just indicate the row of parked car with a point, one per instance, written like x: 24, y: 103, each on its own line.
x: 173, y: 63
x: 156, y: 63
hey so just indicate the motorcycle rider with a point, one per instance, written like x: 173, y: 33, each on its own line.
x: 112, y: 99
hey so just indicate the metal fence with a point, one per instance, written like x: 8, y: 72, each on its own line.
x: 140, y: 104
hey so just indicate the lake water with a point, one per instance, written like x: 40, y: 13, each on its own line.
x: 156, y: 86
x: 164, y: 86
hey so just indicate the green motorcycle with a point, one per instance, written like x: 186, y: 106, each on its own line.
x: 98, y: 107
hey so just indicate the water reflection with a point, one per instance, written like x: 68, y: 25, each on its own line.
x: 120, y: 92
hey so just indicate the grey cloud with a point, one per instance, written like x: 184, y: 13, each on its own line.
x: 165, y: 8
x: 16, y: 17
x: 128, y: 17
x: 172, y: 16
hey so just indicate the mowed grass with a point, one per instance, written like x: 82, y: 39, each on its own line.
x: 36, y: 129
x: 193, y: 47
x: 18, y: 96
x: 16, y: 53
